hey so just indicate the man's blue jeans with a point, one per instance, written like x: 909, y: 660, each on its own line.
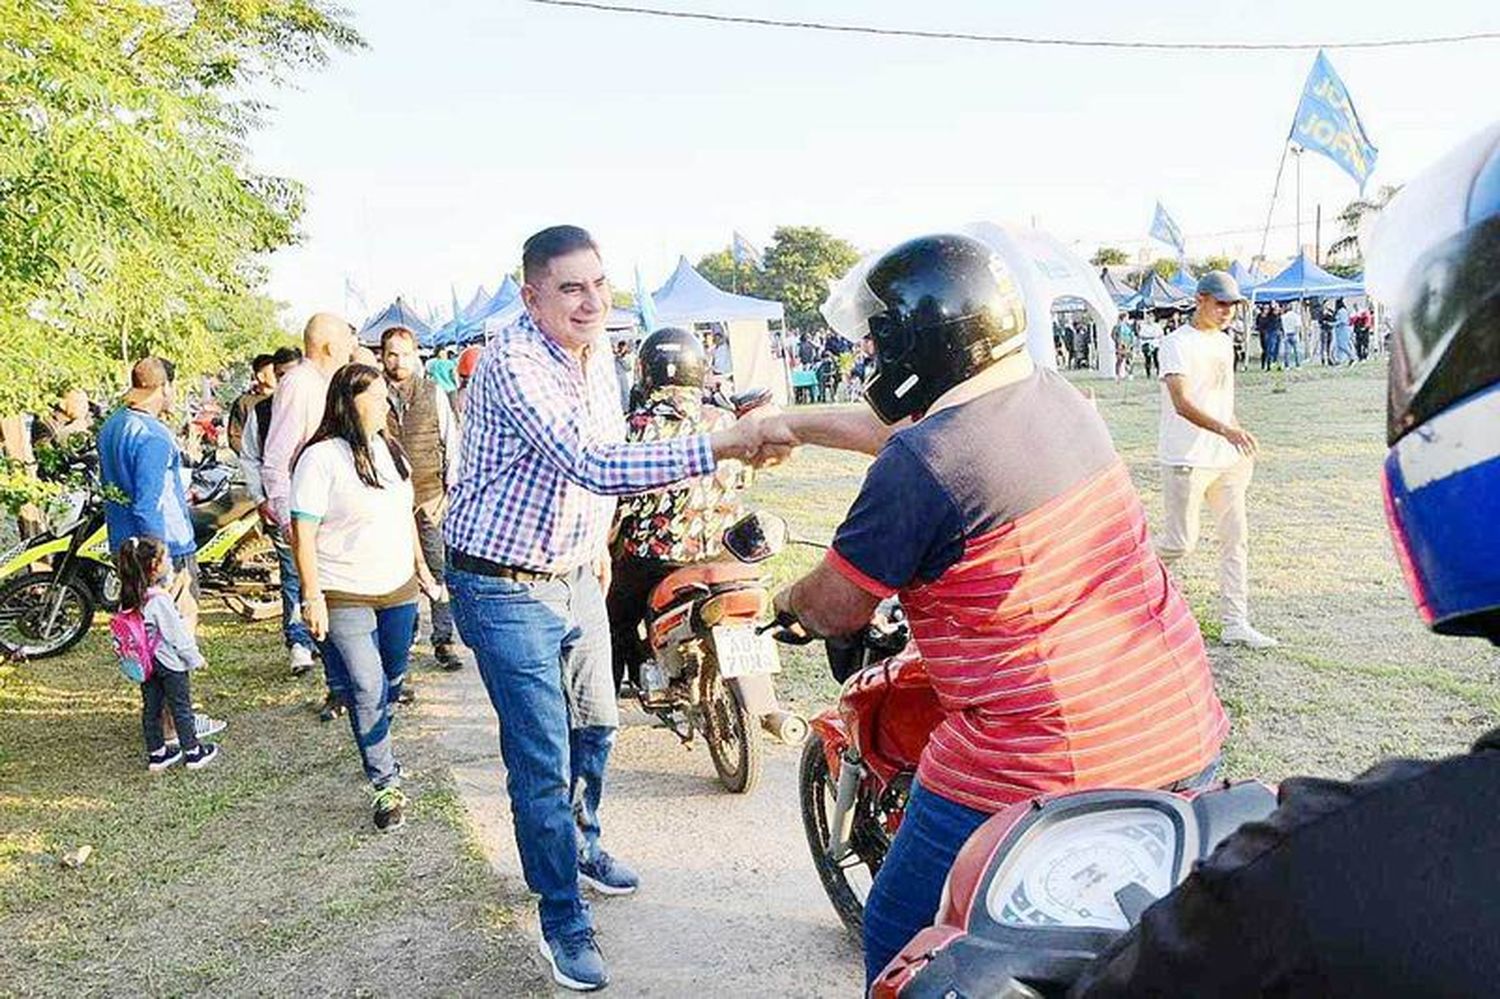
x: 293, y: 630
x: 375, y: 646
x: 543, y: 649
x: 1291, y: 351
x: 904, y: 898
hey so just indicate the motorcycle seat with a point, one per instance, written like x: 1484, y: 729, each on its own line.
x: 705, y: 577
x: 220, y: 511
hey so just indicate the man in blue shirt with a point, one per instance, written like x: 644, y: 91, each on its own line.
x: 141, y: 467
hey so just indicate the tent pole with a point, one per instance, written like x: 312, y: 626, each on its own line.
x: 1270, y: 211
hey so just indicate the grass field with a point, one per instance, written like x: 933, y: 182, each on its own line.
x: 262, y: 868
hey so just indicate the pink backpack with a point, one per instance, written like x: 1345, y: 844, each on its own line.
x: 134, y: 645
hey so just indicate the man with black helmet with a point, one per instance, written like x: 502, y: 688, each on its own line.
x: 660, y: 531
x: 1059, y: 648
x: 1384, y: 885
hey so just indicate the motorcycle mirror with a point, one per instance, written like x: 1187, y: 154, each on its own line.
x: 755, y: 537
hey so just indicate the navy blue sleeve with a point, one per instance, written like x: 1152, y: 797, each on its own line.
x: 903, y: 526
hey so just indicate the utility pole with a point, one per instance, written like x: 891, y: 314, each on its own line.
x: 1318, y: 237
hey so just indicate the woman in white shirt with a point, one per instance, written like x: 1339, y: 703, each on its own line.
x: 355, y: 542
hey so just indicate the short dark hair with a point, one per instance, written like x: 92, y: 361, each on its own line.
x: 543, y: 247
x: 261, y: 360
x: 286, y: 355
x: 393, y: 333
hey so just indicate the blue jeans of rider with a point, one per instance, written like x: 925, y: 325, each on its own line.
x: 904, y: 898
x: 375, y: 646
x: 543, y: 652
x: 293, y: 630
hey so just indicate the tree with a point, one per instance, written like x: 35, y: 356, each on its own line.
x: 1109, y: 256
x: 1214, y: 263
x: 721, y: 271
x: 1165, y: 266
x: 1346, y: 255
x: 130, y: 219
x: 799, y: 265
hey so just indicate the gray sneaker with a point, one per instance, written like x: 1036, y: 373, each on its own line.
x: 576, y: 961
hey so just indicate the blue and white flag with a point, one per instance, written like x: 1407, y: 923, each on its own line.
x: 1164, y: 229
x: 743, y: 251
x: 1326, y: 123
x: 645, y: 307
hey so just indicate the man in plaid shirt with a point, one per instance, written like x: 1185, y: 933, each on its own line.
x: 543, y: 458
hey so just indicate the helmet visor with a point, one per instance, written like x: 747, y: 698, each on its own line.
x: 1446, y: 344
x: 851, y: 303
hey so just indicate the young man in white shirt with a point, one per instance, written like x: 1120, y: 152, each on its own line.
x: 1204, y: 452
x: 1291, y: 335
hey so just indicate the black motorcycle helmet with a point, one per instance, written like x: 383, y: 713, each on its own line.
x: 672, y: 356
x: 940, y: 309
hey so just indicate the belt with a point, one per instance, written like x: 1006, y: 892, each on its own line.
x: 464, y: 562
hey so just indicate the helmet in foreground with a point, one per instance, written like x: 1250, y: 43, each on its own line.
x: 672, y: 356
x: 940, y: 309
x: 1435, y: 261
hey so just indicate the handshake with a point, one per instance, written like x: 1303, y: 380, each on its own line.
x: 762, y: 437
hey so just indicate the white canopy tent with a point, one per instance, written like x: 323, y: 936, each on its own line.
x: 688, y: 299
x: 1048, y: 272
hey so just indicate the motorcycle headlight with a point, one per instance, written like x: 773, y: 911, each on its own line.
x: 63, y: 512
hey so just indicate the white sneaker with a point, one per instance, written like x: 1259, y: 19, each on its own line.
x: 302, y: 659
x: 1243, y: 634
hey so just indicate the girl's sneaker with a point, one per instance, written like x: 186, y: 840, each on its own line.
x: 201, y: 755
x: 390, y: 805
x: 161, y: 759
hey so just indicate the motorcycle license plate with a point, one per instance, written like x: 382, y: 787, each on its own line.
x: 741, y: 652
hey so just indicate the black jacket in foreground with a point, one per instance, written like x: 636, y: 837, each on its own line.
x: 1388, y: 885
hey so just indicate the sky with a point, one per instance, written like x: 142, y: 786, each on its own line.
x: 466, y: 125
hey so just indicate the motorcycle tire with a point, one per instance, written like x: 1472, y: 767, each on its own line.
x: 263, y: 604
x: 106, y: 588
x: 23, y: 634
x: 733, y: 738
x: 818, y: 791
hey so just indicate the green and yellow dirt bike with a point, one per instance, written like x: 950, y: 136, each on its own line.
x: 52, y: 585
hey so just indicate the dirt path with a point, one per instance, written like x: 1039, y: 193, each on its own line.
x: 729, y: 903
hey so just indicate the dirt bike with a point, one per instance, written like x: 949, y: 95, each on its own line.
x: 52, y: 585
x: 859, y: 762
x: 1044, y: 886
x: 711, y: 668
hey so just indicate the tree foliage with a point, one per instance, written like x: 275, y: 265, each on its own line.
x: 1109, y: 256
x: 130, y: 218
x: 796, y: 271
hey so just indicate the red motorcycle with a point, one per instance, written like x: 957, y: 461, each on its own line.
x: 859, y: 762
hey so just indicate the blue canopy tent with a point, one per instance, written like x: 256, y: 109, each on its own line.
x: 398, y: 313
x: 1124, y: 296
x: 476, y: 303
x: 1304, y: 279
x: 1158, y: 293
x: 1243, y: 276
x: 1184, y: 281
x: 469, y: 324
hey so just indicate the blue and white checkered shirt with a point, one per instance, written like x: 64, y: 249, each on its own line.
x: 544, y: 455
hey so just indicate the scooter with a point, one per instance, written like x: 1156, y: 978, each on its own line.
x: 1044, y: 886
x: 52, y: 585
x: 711, y: 668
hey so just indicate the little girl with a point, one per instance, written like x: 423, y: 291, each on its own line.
x: 144, y: 563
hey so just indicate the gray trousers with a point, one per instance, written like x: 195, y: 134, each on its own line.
x: 430, y: 536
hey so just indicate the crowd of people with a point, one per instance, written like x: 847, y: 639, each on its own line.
x: 533, y: 499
